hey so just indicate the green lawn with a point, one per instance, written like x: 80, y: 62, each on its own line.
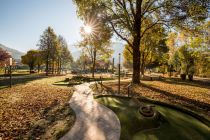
x: 176, y: 125
x: 16, y: 73
x: 21, y: 79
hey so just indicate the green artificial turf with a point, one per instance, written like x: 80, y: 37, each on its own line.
x: 176, y: 125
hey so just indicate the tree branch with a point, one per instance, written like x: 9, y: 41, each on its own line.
x: 123, y: 38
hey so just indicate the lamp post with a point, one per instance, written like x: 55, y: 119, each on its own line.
x: 5, y: 70
x: 119, y: 75
x: 10, y: 71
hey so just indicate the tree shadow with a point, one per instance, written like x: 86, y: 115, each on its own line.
x: 67, y: 84
x: 178, y: 97
x: 15, y: 75
x: 195, y: 83
x: 4, y: 83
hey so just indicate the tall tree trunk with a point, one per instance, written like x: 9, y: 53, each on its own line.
x: 38, y: 68
x: 53, y: 66
x: 136, y: 43
x: 143, y: 59
x: 136, y: 63
x: 58, y: 66
x: 142, y: 69
x: 94, y: 63
x: 47, y: 66
x: 113, y: 66
x: 30, y: 69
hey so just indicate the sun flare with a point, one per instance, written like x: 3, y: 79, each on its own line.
x: 88, y: 29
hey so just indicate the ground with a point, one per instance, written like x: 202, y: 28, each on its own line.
x: 171, y: 124
x: 35, y: 108
x: 192, y: 95
x: 93, y: 120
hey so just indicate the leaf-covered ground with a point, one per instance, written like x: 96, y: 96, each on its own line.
x: 192, y: 95
x: 22, y: 106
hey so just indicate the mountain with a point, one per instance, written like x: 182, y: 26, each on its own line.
x: 116, y: 46
x: 15, y: 53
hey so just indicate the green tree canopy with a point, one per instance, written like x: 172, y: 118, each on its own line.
x: 126, y: 18
x: 31, y: 58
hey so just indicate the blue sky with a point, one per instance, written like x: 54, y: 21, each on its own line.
x: 23, y: 21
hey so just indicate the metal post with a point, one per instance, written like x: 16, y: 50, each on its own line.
x: 113, y: 66
x: 5, y: 70
x: 119, y: 75
x: 10, y: 69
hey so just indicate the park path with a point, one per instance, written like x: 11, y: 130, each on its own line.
x: 93, y: 120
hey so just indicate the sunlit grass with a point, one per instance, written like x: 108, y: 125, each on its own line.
x: 134, y: 126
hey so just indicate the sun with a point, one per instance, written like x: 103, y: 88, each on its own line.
x: 88, y: 29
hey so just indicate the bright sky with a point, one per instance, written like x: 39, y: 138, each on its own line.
x: 23, y: 21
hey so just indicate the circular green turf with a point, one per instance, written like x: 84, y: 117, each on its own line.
x: 176, y: 125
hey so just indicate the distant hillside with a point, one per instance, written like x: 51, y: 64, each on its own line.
x: 15, y: 53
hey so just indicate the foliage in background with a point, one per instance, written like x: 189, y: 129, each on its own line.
x: 32, y: 58
x: 96, y: 45
x: 153, y: 50
x: 126, y: 18
x: 190, y: 51
x: 55, y: 51
x: 65, y: 57
x: 3, y: 57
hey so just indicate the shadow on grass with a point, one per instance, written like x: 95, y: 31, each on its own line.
x: 4, y: 83
x: 173, y: 120
x: 57, y: 119
x: 89, y: 79
x: 77, y: 80
x: 174, y: 96
x: 66, y: 84
x: 195, y: 83
x: 15, y: 74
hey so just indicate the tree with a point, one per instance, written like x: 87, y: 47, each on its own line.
x: 126, y: 18
x: 83, y: 62
x: 191, y: 51
x: 202, y: 63
x: 153, y: 48
x: 48, y: 44
x: 4, y: 55
x: 175, y: 61
x: 40, y: 60
x: 97, y: 52
x: 96, y: 43
x: 31, y: 58
x: 64, y: 57
x: 128, y: 57
x: 187, y: 61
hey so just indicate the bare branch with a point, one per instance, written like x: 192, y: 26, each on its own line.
x: 128, y: 48
x: 132, y: 8
x: 163, y: 22
x: 123, y: 38
x: 148, y: 6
